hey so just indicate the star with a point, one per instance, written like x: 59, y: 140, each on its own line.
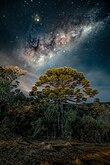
x: 36, y: 18
x: 26, y: 2
x: 4, y: 16
x: 17, y: 37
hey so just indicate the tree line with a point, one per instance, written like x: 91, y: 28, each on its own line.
x: 56, y: 107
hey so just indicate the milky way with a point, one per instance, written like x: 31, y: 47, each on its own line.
x: 44, y: 47
x: 41, y: 34
x: 42, y: 50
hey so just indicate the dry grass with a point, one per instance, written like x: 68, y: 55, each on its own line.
x: 19, y: 152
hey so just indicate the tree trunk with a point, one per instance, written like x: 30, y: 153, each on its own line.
x: 60, y: 118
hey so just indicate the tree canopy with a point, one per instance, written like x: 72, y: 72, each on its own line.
x: 8, y: 75
x: 63, y: 83
x: 49, y: 114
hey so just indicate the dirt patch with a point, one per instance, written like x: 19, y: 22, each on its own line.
x: 19, y: 152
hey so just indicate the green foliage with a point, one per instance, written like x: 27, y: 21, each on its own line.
x: 63, y: 84
x: 70, y: 118
x: 60, y: 85
x: 8, y: 75
x: 48, y: 114
x: 51, y: 113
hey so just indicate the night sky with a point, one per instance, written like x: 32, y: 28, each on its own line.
x: 41, y: 34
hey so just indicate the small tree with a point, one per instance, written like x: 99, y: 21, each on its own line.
x: 8, y: 75
x: 60, y: 85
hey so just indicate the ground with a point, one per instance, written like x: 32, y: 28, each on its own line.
x: 59, y: 152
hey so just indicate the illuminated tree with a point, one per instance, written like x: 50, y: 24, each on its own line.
x: 60, y: 85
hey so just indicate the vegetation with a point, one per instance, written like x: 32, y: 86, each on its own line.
x: 8, y: 83
x: 60, y: 85
x: 56, y: 108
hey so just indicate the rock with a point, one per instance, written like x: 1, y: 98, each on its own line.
x: 77, y: 162
x: 48, y: 147
x: 68, y: 144
x: 42, y: 144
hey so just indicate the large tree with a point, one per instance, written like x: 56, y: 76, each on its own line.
x: 60, y: 85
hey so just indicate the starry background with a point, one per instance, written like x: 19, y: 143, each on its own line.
x: 21, y: 20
